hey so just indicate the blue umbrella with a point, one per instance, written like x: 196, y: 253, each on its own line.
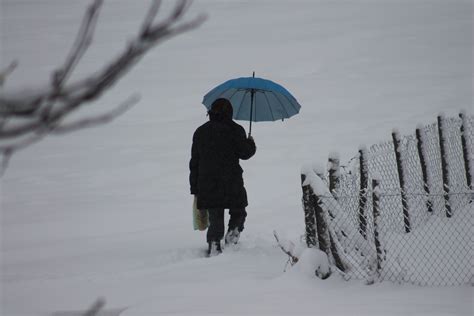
x: 255, y: 99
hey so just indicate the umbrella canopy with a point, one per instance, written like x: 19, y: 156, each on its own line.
x: 255, y: 99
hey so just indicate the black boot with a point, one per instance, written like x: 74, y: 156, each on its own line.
x: 232, y: 236
x: 214, y: 248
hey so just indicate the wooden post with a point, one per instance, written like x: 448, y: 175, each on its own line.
x: 321, y: 226
x: 364, y: 178
x: 424, y: 168
x: 401, y: 179
x: 376, y: 213
x: 309, y: 217
x: 444, y: 165
x: 333, y: 166
x: 465, y: 151
x: 322, y: 233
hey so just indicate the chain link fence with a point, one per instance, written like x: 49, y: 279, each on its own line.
x: 400, y: 210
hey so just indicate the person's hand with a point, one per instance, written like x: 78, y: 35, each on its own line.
x: 251, y: 139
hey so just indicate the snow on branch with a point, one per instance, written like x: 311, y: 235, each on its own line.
x: 287, y: 247
x: 26, y: 118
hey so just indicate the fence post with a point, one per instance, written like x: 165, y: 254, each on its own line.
x: 376, y: 213
x: 333, y: 168
x: 321, y: 226
x: 465, y: 151
x: 401, y: 179
x: 364, y: 179
x: 444, y: 165
x: 424, y: 167
x: 309, y: 216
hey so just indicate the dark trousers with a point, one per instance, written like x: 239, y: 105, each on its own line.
x: 215, y: 232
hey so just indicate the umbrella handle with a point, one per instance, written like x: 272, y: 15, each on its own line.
x: 250, y: 127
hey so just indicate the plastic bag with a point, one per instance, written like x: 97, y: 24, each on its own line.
x: 200, y: 217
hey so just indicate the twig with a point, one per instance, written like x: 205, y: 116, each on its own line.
x: 150, y: 17
x: 7, y: 71
x: 6, y: 155
x: 97, y: 120
x: 80, y: 46
x: 95, y: 308
x: 293, y: 259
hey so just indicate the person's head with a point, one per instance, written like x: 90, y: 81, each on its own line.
x: 221, y: 109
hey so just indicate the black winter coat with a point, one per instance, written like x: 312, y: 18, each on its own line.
x: 215, y: 173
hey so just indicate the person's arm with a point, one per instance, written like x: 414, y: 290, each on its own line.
x: 194, y: 167
x: 245, y: 146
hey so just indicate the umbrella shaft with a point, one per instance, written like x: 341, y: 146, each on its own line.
x: 252, y: 93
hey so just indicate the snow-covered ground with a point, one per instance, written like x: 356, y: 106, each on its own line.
x: 107, y: 211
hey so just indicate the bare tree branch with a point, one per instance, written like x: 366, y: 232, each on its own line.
x: 80, y: 46
x: 150, y: 17
x: 26, y: 118
x: 99, y: 119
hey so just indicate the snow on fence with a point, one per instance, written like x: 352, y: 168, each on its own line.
x: 400, y: 210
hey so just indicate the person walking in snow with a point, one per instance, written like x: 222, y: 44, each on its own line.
x: 216, y: 175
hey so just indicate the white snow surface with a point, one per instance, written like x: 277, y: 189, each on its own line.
x: 106, y: 212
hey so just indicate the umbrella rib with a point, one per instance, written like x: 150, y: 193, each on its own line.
x: 240, y: 105
x: 236, y: 90
x: 287, y: 115
x: 291, y: 103
x: 269, y: 107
